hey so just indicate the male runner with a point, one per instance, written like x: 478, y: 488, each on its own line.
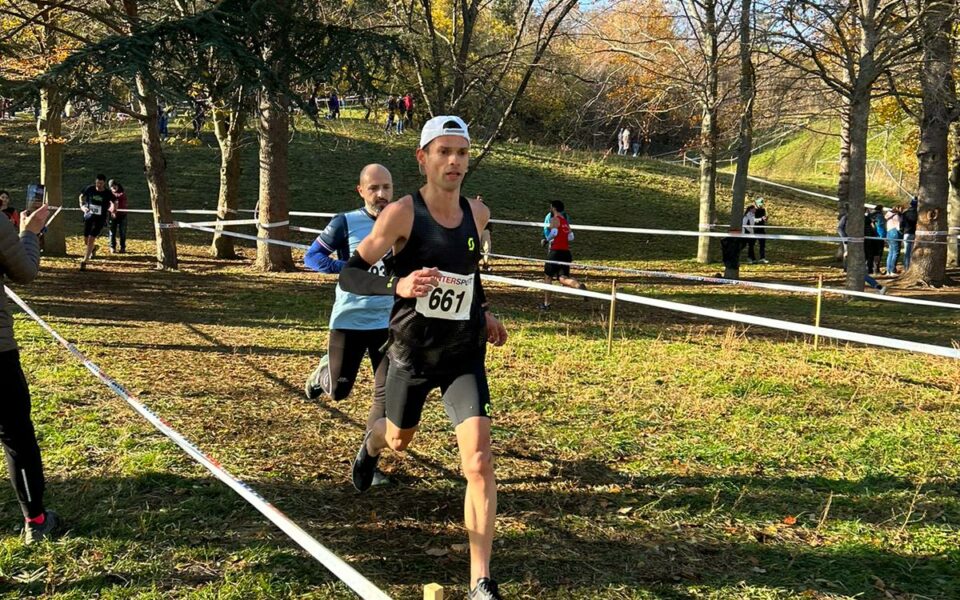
x: 438, y: 328
x: 358, y: 324
x: 558, y: 237
x: 95, y: 202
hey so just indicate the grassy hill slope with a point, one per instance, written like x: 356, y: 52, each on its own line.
x: 809, y: 158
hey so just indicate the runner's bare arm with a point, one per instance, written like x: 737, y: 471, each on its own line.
x: 392, y: 227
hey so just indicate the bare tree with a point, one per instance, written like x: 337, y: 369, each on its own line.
x: 848, y: 45
x: 229, y: 115
x: 745, y: 137
x: 940, y: 108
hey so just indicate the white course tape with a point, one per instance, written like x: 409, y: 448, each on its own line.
x: 272, y: 225
x: 838, y: 334
x: 357, y: 582
x: 781, y: 287
x: 243, y: 236
x: 305, y: 229
x: 226, y: 223
x: 715, y: 234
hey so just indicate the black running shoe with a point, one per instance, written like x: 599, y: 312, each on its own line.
x: 37, y: 533
x: 364, y: 467
x: 486, y: 590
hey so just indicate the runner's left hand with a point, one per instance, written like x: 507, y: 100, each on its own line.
x: 496, y: 332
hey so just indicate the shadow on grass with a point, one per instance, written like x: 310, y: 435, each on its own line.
x: 570, y: 537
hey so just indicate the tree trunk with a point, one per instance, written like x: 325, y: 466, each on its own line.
x: 228, y: 125
x: 155, y: 168
x: 708, y: 184
x: 953, y: 211
x: 709, y: 131
x: 468, y: 12
x: 843, y: 175
x: 858, y: 118
x: 929, y: 260
x: 745, y: 137
x: 273, y: 203
x: 49, y: 130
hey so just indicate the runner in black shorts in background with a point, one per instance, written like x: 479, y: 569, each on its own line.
x: 438, y: 328
x: 95, y: 202
x: 559, y: 237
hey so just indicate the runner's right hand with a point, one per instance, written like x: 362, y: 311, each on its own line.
x: 418, y: 283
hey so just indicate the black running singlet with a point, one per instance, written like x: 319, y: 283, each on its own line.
x: 444, y: 330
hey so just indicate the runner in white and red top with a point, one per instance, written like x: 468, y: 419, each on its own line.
x: 559, y: 237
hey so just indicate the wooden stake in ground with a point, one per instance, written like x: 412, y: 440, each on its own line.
x: 816, y: 333
x: 433, y: 591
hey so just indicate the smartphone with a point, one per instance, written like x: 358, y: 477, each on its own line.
x: 35, y: 195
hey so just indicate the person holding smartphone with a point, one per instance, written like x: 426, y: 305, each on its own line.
x: 20, y: 263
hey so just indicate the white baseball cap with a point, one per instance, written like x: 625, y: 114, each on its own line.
x: 443, y: 125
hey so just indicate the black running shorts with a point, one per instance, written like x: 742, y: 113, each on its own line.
x: 93, y: 226
x: 554, y: 271
x: 465, y: 394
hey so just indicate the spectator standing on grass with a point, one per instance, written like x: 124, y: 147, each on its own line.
x: 20, y: 262
x: 333, y: 104
x: 878, y: 231
x: 391, y: 113
x: 95, y: 201
x: 6, y: 206
x: 199, y: 116
x: 163, y: 123
x: 908, y: 228
x: 892, y: 224
x: 747, y: 226
x: 624, y: 141
x: 118, y: 217
x: 842, y: 232
x: 760, y: 220
x: 409, y: 107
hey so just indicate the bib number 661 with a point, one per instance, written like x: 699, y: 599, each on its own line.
x: 444, y: 300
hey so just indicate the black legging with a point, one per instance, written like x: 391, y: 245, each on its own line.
x: 345, y: 351
x: 18, y: 437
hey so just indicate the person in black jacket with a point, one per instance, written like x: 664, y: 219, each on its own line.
x: 908, y: 227
x: 20, y: 262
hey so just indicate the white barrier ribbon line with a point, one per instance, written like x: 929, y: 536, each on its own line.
x: 354, y: 580
x: 715, y: 234
x: 305, y: 229
x: 781, y: 287
x: 838, y: 334
x: 272, y: 225
x: 226, y: 223
x: 243, y: 236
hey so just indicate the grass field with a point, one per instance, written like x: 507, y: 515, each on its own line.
x: 698, y: 460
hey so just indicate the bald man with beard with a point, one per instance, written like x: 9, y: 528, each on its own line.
x: 358, y: 324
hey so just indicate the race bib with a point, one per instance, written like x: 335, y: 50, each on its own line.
x: 379, y: 269
x: 95, y: 209
x: 450, y: 300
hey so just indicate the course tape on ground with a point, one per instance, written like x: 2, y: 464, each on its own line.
x: 782, y: 287
x: 357, y: 582
x: 838, y: 334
